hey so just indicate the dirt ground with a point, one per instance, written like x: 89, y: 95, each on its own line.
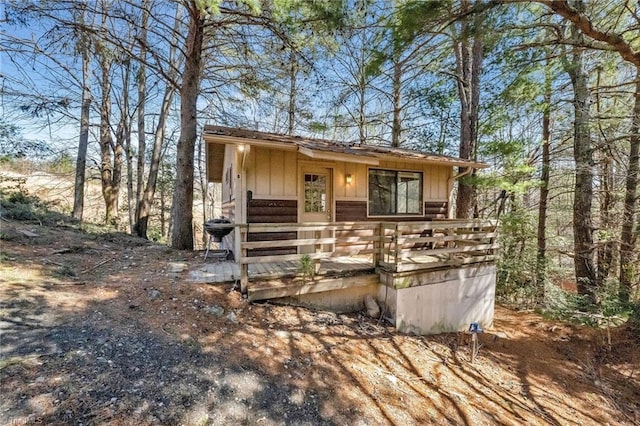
x: 105, y: 329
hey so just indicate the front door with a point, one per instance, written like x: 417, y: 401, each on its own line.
x: 317, y: 203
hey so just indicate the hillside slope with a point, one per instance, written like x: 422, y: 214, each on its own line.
x: 105, y: 328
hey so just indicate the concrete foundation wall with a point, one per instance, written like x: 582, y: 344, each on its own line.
x: 444, y: 306
x: 437, y: 301
x: 342, y: 300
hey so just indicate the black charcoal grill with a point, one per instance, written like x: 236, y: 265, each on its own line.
x: 216, y: 234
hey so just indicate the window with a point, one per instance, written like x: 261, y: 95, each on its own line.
x: 395, y: 193
x: 315, y: 193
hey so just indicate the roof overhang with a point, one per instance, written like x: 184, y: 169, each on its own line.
x: 336, y: 156
x: 217, y: 137
x: 215, y: 161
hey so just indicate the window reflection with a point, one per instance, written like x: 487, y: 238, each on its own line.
x: 394, y: 193
x: 315, y: 193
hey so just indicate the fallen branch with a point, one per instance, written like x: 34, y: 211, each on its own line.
x: 27, y: 233
x: 55, y: 263
x: 72, y: 284
x: 96, y: 266
x: 64, y: 250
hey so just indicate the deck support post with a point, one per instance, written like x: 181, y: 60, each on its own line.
x: 397, y: 234
x: 244, y: 266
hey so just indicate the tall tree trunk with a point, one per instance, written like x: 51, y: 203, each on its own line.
x: 583, y: 155
x: 116, y: 179
x: 396, y: 128
x: 182, y: 208
x: 144, y: 206
x: 143, y: 211
x: 131, y: 194
x: 123, y: 138
x: 81, y: 159
x: 362, y: 91
x: 293, y: 92
x: 142, y: 140
x: 541, y: 261
x: 629, y: 268
x: 202, y: 174
x: 605, y: 196
x: 106, y: 142
x: 469, y: 60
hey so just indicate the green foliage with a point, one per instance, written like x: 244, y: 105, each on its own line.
x: 515, y: 175
x: 212, y: 7
x: 155, y: 234
x: 609, y: 303
x: 608, y: 311
x: 297, y: 13
x: 64, y: 271
x: 62, y: 163
x: 634, y: 317
x: 307, y: 266
x: 318, y: 127
x: 516, y: 281
x: 16, y: 203
x: 13, y: 145
x: 19, y: 205
x: 414, y: 17
x: 411, y: 19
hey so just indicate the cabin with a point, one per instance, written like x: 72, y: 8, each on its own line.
x: 327, y: 224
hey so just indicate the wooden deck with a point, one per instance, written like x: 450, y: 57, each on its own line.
x: 346, y: 254
x: 214, y: 271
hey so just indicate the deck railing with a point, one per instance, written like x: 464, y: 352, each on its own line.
x: 391, y: 246
x: 317, y: 241
x: 408, y: 246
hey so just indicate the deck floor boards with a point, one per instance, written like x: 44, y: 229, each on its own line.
x: 229, y: 271
x: 281, y: 279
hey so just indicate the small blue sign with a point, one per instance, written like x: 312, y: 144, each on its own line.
x: 474, y: 327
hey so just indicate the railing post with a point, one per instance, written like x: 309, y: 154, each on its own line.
x: 377, y: 245
x: 318, y: 249
x: 451, y: 231
x: 244, y: 267
x: 492, y: 228
x: 396, y: 256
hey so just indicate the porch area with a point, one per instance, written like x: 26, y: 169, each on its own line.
x: 427, y: 276
x: 281, y: 260
x: 272, y: 280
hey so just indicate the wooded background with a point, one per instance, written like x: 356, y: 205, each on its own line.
x: 546, y: 92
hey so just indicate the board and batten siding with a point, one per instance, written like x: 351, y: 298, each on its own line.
x: 435, y: 179
x: 272, y: 174
x: 272, y: 179
x: 272, y: 195
x: 357, y: 189
x: 229, y: 174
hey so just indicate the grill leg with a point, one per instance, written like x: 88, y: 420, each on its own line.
x: 208, y: 247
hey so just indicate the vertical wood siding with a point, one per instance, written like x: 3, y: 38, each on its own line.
x: 229, y: 174
x: 271, y: 173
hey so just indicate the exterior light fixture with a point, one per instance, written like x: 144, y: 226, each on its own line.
x: 349, y: 179
x: 241, y: 148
